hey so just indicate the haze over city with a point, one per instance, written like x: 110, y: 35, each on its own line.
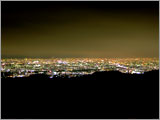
x: 79, y: 29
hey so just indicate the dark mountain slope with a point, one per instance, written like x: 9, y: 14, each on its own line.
x: 100, y: 95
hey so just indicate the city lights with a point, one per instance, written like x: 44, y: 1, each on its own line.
x: 73, y: 67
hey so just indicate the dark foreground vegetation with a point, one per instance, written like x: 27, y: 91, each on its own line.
x: 101, y: 95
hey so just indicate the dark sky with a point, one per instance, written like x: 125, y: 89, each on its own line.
x: 80, y: 29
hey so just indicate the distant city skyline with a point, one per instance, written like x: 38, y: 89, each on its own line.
x: 94, y: 29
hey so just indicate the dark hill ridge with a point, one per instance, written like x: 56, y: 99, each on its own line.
x: 100, y: 95
x: 100, y: 75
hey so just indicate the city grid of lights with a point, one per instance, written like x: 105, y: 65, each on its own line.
x: 73, y: 67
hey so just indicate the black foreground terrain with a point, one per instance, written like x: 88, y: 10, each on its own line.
x: 100, y: 95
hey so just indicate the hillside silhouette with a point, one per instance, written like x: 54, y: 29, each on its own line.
x: 100, y: 95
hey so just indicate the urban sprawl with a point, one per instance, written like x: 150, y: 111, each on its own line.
x: 74, y: 67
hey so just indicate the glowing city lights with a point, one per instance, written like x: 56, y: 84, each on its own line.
x: 73, y: 67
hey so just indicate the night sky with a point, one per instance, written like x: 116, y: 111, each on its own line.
x: 80, y: 29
